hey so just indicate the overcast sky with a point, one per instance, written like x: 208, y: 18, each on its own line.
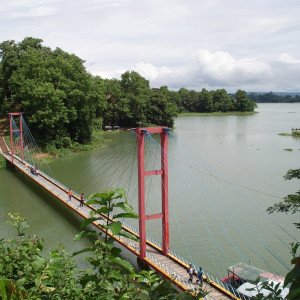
x: 252, y: 45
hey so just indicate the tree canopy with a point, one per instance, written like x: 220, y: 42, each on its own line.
x: 61, y: 99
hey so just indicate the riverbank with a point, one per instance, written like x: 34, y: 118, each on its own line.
x: 100, y: 139
x: 216, y: 113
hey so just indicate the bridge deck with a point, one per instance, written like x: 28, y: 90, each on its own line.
x: 170, y: 266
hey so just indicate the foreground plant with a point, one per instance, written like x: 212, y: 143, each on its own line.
x: 27, y: 273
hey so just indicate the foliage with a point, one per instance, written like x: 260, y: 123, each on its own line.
x: 107, y: 212
x: 63, y: 103
x: 292, y: 280
x: 291, y: 202
x: 296, y: 133
x: 27, y: 273
x: 273, y: 98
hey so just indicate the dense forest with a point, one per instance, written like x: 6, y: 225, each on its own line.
x: 62, y: 102
x: 273, y: 98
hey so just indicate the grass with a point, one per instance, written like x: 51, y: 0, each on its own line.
x: 100, y: 139
x: 288, y: 149
x: 294, y: 133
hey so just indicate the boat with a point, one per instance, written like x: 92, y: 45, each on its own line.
x: 241, y: 277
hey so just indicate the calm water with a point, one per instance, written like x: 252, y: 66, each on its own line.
x: 236, y: 164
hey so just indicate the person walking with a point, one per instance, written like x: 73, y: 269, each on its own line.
x: 190, y: 270
x: 35, y: 172
x: 200, y: 275
x: 81, y: 199
x: 70, y: 194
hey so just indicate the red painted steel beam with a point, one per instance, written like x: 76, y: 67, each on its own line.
x: 164, y: 190
x: 155, y: 172
x: 141, y: 189
x: 11, y: 135
x: 154, y: 216
x: 140, y: 132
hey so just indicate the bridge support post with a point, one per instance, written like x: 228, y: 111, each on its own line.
x: 141, y: 133
x: 12, y: 147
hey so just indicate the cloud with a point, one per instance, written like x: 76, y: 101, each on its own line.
x: 222, y: 68
x: 152, y: 72
x: 194, y: 44
x: 22, y: 8
x: 288, y: 59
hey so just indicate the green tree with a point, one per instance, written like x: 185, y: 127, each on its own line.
x: 291, y: 202
x: 160, y: 109
x: 242, y: 102
x: 136, y: 93
x: 221, y: 101
x: 51, y: 87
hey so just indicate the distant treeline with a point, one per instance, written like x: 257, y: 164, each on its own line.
x: 62, y: 102
x: 273, y: 98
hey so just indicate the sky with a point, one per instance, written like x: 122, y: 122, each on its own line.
x: 253, y: 45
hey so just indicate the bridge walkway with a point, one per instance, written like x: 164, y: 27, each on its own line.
x: 171, y: 266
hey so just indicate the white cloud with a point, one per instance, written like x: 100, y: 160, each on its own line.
x: 150, y: 71
x: 288, y: 59
x: 229, y: 44
x: 224, y: 68
x: 31, y: 8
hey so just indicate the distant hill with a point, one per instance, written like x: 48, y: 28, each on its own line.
x: 276, y: 97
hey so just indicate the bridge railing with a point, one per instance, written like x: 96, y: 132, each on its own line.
x: 208, y: 275
x: 133, y: 244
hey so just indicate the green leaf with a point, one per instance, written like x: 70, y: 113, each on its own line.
x: 21, y: 281
x: 124, y: 263
x: 91, y: 249
x: 89, y: 221
x: 292, y: 275
x: 115, y: 251
x: 129, y: 235
x: 90, y: 202
x: 126, y: 215
x: 22, y: 226
x: 120, y: 191
x: 294, y: 293
x: 103, y: 210
x: 3, y: 289
x: 84, y: 234
x: 37, y: 282
x: 115, y: 227
x: 56, y: 266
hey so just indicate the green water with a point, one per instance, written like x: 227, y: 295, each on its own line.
x: 246, y: 150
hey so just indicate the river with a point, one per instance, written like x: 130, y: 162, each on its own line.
x: 244, y: 150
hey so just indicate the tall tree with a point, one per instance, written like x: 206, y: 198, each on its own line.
x: 242, y: 102
x: 51, y: 87
x: 136, y: 92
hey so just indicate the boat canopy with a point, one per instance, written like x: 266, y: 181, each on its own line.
x: 247, y: 272
x: 252, y: 290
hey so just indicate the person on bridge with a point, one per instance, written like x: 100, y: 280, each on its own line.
x: 70, y: 194
x: 200, y: 275
x: 81, y: 199
x: 190, y: 270
x: 36, y: 170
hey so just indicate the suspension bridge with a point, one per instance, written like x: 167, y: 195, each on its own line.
x: 151, y: 146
